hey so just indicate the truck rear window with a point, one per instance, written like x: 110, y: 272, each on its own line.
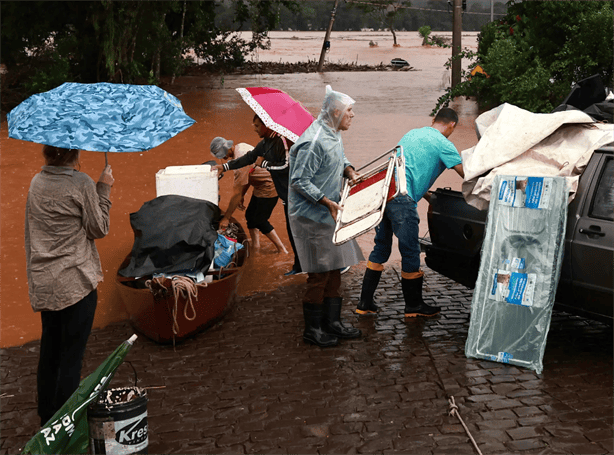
x: 603, y: 203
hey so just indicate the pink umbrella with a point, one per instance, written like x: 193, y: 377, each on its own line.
x: 278, y: 110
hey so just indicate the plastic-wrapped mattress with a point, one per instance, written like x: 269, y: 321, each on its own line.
x: 519, y: 270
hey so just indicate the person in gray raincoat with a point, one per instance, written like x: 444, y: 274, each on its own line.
x: 317, y: 168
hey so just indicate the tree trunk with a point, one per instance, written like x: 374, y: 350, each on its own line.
x: 135, y: 32
x: 159, y: 51
x: 180, y: 42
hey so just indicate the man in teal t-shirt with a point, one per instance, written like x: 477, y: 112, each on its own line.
x: 428, y: 153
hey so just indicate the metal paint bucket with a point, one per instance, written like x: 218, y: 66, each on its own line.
x: 118, y: 422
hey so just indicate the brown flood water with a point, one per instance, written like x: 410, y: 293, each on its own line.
x: 388, y: 104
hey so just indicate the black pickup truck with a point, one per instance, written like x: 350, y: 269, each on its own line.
x: 586, y: 284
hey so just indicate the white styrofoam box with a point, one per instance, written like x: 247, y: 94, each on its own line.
x: 197, y: 181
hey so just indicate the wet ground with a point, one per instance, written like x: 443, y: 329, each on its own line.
x: 250, y: 384
x: 388, y: 104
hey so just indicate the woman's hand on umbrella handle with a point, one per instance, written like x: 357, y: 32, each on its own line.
x: 107, y: 176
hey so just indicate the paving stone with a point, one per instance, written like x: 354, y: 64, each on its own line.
x: 232, y: 439
x: 527, y: 411
x: 607, y: 444
x: 375, y: 446
x: 446, y: 429
x: 346, y: 428
x: 525, y: 433
x: 414, y: 444
x: 262, y: 447
x: 599, y: 435
x: 537, y: 420
x: 418, y: 431
x: 496, y: 424
x: 584, y: 449
x: 504, y: 414
x: 527, y: 444
x: 494, y: 447
x: 481, y: 390
x: 483, y: 398
x: 502, y: 378
x: 503, y: 404
x: 454, y: 449
x: 340, y: 444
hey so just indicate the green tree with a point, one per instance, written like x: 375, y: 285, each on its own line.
x: 387, y: 12
x: 532, y: 57
x: 51, y: 42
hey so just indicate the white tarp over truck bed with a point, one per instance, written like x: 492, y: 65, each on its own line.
x: 518, y: 142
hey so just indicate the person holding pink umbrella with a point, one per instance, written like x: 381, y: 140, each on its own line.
x: 279, y: 121
x: 273, y: 149
x: 264, y: 197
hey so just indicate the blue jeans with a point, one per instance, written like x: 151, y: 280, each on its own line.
x: 401, y: 219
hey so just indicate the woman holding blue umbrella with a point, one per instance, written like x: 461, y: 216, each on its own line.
x: 65, y: 212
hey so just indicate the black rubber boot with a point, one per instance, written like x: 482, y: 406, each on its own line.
x: 332, y: 323
x: 314, y: 334
x: 369, y: 285
x: 414, y: 305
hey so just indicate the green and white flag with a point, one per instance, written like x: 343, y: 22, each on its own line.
x: 68, y: 430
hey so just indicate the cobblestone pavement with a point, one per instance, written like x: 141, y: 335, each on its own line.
x: 250, y: 384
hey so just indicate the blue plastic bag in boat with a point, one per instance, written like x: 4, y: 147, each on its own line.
x: 224, y: 251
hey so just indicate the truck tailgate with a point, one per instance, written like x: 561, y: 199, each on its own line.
x: 456, y: 231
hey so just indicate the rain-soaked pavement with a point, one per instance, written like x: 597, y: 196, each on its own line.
x: 250, y: 384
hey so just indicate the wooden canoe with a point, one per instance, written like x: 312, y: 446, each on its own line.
x: 154, y: 311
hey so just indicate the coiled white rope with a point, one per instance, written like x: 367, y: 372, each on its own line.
x: 183, y: 287
x: 186, y: 288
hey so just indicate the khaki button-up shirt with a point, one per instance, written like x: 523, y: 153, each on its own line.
x: 65, y: 212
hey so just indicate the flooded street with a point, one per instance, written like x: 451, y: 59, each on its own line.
x: 388, y: 104
x: 250, y: 384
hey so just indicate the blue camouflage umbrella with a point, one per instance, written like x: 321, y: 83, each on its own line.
x: 101, y: 117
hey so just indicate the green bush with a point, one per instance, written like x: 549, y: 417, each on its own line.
x: 49, y: 76
x: 534, y: 55
x: 51, y: 65
x: 425, y: 31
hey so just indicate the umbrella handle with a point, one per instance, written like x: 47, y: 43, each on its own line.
x: 106, y: 161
